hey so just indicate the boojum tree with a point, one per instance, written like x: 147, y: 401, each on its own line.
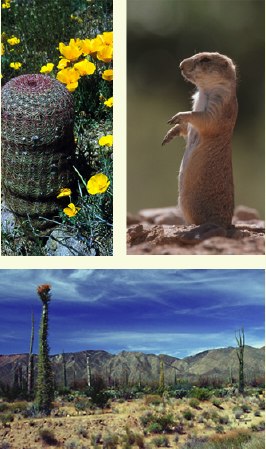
x: 45, y: 385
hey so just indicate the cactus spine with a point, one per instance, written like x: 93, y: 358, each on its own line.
x: 45, y: 385
x: 240, y: 355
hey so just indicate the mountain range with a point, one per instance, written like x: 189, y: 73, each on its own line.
x: 129, y: 368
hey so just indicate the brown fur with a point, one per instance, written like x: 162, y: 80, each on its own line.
x: 206, y: 190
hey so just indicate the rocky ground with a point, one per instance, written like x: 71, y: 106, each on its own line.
x: 162, y: 231
x: 70, y: 429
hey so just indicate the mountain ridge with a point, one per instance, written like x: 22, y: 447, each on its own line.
x: 131, y: 367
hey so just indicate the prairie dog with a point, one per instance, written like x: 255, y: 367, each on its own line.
x: 206, y: 189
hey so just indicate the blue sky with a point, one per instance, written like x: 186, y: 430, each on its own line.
x: 176, y: 312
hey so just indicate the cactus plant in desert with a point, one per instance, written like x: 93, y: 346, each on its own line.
x: 37, y: 145
x: 45, y: 387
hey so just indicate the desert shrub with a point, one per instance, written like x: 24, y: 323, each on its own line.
x: 219, y: 429
x: 155, y: 427
x: 146, y: 419
x: 73, y: 444
x: 223, y: 419
x: 261, y: 405
x: 180, y: 429
x: 188, y: 415
x: 82, y: 432
x: 153, y: 399
x: 18, y: 407
x: 156, y: 423
x: 257, y: 413
x: 6, y: 417
x: 202, y: 394
x: 83, y: 404
x: 246, y: 408
x: 139, y: 441
x: 217, y: 402
x: 194, y: 403
x: 195, y: 443
x: 48, y: 437
x: 110, y: 441
x: 257, y: 442
x: 258, y: 427
x: 3, y: 407
x: 161, y: 441
x: 237, y: 412
x: 96, y: 439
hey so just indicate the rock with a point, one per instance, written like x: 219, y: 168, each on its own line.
x: 244, y: 213
x: 163, y: 215
x: 149, y: 238
x: 62, y: 243
x: 7, y: 219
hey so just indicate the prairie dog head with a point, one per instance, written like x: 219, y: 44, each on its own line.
x: 207, y: 70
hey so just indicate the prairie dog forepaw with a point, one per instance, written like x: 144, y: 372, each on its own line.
x: 181, y: 117
x: 177, y: 130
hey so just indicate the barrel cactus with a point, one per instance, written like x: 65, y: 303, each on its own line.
x: 37, y: 145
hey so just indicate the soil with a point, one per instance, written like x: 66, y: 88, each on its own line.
x: 69, y: 426
x: 162, y: 231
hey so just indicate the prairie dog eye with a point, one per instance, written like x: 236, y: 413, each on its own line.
x: 205, y: 59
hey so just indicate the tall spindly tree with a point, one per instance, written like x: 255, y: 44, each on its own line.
x: 240, y: 355
x: 45, y: 384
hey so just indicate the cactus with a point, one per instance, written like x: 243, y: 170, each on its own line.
x: 240, y: 355
x: 37, y: 145
x: 161, y: 376
x: 30, y: 359
x: 45, y: 385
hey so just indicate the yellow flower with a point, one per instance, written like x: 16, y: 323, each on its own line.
x: 106, y: 140
x: 47, y: 68
x: 2, y: 49
x: 105, y: 54
x: 15, y: 65
x: 96, y: 44
x: 108, y: 37
x: 98, y: 184
x: 6, y: 4
x: 13, y: 40
x: 85, y: 67
x: 64, y: 192
x: 71, y: 210
x: 62, y: 63
x: 109, y: 102
x: 108, y: 75
x: 86, y: 46
x: 69, y: 77
x: 71, y: 51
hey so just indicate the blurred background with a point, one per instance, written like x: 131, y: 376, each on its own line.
x: 161, y: 33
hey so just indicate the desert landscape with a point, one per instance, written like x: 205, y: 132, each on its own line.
x: 137, y: 400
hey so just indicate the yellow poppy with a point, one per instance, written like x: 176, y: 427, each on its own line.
x: 47, y: 68
x: 71, y: 51
x: 64, y: 192
x: 71, y: 210
x: 62, y: 63
x: 85, y: 67
x: 13, y: 40
x: 109, y: 102
x: 69, y: 76
x: 106, y: 140
x: 98, y: 184
x: 108, y: 75
x: 105, y: 54
x: 15, y: 65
